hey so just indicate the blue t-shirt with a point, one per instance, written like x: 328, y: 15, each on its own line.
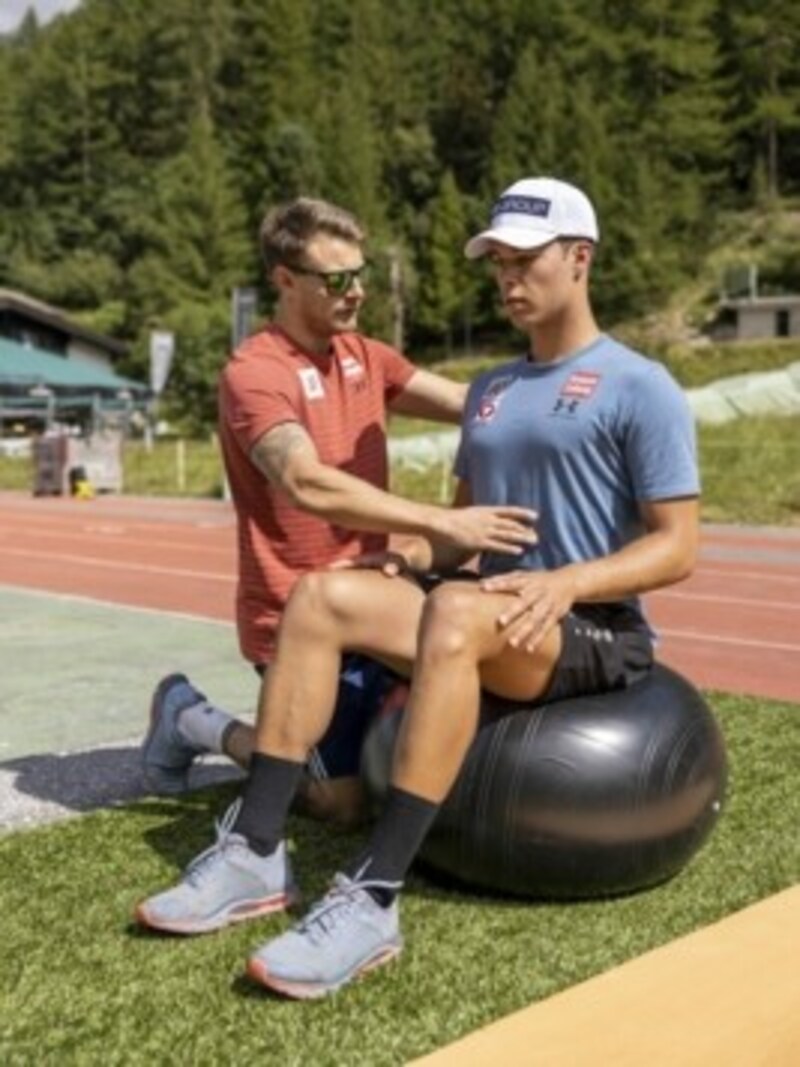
x: 581, y: 441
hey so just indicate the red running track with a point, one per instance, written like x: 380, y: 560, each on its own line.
x: 734, y: 625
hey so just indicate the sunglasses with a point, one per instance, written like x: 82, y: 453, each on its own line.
x: 336, y: 282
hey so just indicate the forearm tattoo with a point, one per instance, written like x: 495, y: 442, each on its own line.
x: 272, y: 451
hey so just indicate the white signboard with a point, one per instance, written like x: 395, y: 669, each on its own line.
x: 162, y: 350
x: 244, y: 308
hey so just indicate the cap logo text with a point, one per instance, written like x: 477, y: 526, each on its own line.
x: 522, y: 205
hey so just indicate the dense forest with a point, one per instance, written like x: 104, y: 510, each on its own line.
x: 140, y: 143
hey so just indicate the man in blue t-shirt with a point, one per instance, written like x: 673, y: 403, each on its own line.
x: 598, y: 443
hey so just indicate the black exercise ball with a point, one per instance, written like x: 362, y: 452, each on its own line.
x: 587, y: 797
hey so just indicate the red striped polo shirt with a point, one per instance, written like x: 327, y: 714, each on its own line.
x: 340, y: 399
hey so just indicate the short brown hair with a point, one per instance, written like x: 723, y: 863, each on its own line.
x: 288, y: 228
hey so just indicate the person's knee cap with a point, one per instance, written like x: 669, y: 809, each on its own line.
x: 328, y: 592
x: 448, y: 620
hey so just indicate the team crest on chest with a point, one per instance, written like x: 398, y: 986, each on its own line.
x: 489, y: 403
x: 578, y: 388
x: 311, y: 383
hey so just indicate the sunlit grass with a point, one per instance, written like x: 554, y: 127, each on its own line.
x: 78, y: 984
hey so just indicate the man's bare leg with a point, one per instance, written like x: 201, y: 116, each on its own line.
x: 324, y: 622
x: 327, y: 614
x: 460, y: 649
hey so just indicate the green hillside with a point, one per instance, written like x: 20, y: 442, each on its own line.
x: 140, y: 144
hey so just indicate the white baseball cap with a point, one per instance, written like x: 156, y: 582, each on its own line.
x: 533, y: 212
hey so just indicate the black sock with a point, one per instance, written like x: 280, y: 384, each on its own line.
x: 270, y: 789
x: 395, y: 841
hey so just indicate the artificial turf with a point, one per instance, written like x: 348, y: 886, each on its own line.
x: 79, y: 984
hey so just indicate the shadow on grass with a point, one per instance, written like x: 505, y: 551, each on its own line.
x: 44, y: 787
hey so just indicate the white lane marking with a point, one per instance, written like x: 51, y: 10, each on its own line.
x: 691, y: 635
x: 734, y: 573
x: 119, y: 565
x: 117, y: 605
x: 750, y: 602
x: 121, y: 535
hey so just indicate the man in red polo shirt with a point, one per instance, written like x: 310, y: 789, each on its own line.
x: 303, y: 408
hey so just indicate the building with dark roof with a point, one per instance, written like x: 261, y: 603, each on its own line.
x: 53, y: 368
x: 751, y: 318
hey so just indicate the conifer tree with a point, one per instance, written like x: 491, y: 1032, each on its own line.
x: 200, y: 251
x: 271, y: 101
x: 761, y: 40
x: 445, y: 283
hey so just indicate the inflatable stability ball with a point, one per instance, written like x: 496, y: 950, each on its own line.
x: 587, y: 797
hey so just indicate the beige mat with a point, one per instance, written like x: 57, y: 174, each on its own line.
x: 725, y: 996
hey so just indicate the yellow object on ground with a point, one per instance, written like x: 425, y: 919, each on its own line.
x: 726, y: 995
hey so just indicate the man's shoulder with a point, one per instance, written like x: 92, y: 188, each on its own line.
x: 249, y: 356
x: 629, y: 363
x: 624, y: 354
x: 267, y: 341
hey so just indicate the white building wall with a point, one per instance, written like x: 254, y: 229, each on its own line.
x: 756, y: 322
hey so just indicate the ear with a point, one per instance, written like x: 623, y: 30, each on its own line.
x: 282, y: 278
x: 582, y: 253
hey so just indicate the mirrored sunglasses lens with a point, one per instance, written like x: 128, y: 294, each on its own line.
x: 341, y: 281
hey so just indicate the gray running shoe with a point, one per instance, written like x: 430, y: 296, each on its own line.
x: 228, y: 883
x: 166, y: 754
x: 345, y: 934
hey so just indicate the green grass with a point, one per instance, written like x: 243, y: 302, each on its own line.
x: 698, y: 366
x: 16, y: 473
x: 79, y: 985
x: 157, y: 471
x: 751, y: 471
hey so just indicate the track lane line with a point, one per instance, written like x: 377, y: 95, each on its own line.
x: 714, y: 639
x: 93, y: 561
x: 139, y: 609
x: 121, y: 538
x: 711, y: 598
x: 758, y: 576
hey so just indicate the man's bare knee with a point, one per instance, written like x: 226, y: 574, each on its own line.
x: 323, y: 595
x: 450, y: 624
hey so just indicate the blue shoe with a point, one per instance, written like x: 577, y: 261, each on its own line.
x: 343, y: 936
x: 228, y: 883
x: 166, y: 754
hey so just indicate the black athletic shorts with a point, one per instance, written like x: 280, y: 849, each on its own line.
x: 604, y: 647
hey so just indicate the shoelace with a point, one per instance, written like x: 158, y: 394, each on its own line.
x: 223, y: 828
x: 330, y: 912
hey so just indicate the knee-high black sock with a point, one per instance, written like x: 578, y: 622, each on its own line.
x: 395, y: 841
x: 271, y: 785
